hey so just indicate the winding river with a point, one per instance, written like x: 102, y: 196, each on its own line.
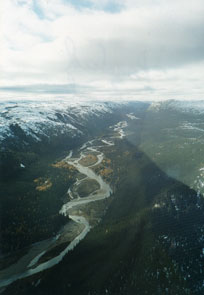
x: 28, y: 264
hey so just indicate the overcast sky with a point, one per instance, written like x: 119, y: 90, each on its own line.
x: 102, y: 49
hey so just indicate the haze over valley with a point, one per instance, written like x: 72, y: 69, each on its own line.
x: 106, y: 186
x: 101, y: 147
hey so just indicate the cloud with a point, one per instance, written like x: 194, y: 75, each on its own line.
x: 44, y: 88
x: 112, y: 48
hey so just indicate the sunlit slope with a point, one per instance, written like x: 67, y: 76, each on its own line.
x: 137, y: 246
x: 34, y: 135
x: 150, y: 238
x: 173, y: 138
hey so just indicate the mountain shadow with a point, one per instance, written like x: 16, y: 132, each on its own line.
x: 150, y: 240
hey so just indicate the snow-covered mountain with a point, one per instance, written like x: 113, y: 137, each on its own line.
x: 34, y: 120
x: 37, y: 120
x: 181, y: 106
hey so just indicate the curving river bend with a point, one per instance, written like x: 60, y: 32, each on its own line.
x: 28, y: 264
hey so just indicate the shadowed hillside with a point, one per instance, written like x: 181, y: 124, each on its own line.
x: 138, y: 248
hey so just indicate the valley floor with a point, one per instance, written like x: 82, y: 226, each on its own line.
x: 134, y: 228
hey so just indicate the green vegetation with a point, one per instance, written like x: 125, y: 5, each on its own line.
x: 88, y: 160
x: 174, y: 142
x: 31, y: 200
x: 124, y: 254
x: 87, y: 187
x: 150, y: 238
x: 53, y: 252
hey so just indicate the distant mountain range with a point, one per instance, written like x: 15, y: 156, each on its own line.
x: 181, y: 106
x: 147, y: 238
x: 37, y: 120
x: 26, y: 122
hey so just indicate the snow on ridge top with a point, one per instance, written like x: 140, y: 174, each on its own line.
x: 182, y: 106
x: 34, y: 117
x: 132, y: 116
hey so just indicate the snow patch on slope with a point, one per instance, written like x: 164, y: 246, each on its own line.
x: 132, y: 116
x: 37, y: 118
x: 181, y: 106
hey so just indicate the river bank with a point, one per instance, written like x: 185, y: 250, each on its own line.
x: 71, y: 233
